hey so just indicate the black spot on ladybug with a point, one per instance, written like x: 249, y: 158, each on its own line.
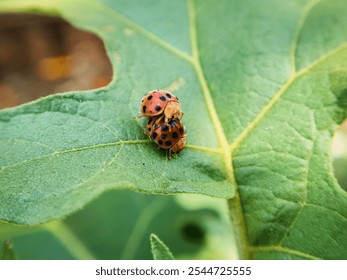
x: 154, y: 135
x: 150, y: 97
x: 156, y: 126
x: 157, y: 108
x: 149, y: 120
x: 162, y: 98
x: 163, y: 136
x: 168, y: 95
x: 160, y: 142
x: 168, y: 143
x: 144, y: 109
x: 164, y: 127
x: 174, y: 135
x: 181, y: 130
x: 149, y: 129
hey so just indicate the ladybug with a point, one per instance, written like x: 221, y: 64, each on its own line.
x: 159, y: 102
x: 171, y: 135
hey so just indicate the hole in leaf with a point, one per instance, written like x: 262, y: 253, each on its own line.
x: 193, y: 233
x: 42, y: 55
x: 339, y: 154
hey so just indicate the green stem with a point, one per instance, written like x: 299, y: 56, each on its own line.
x: 69, y: 240
x: 142, y: 224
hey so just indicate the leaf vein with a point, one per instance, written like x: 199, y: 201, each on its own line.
x: 306, y: 11
x: 98, y: 123
x: 328, y: 209
x: 273, y: 101
x: 303, y: 203
x: 151, y: 36
x: 283, y: 250
x: 126, y: 142
x: 56, y: 153
x: 33, y: 142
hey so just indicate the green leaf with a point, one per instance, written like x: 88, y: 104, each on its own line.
x: 60, y: 152
x: 262, y: 88
x: 7, y: 251
x: 159, y: 250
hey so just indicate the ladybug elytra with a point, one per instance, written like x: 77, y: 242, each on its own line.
x: 169, y: 135
x: 159, y: 102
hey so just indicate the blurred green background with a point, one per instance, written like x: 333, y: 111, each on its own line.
x: 117, y: 225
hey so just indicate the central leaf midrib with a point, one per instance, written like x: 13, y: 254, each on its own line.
x: 236, y: 210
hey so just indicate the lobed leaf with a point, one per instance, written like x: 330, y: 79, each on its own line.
x: 263, y: 90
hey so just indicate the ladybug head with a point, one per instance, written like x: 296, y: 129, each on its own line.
x: 173, y: 110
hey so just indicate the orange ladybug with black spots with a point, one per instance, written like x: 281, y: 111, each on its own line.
x: 159, y: 102
x: 171, y: 135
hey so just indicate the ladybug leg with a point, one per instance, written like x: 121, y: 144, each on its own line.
x: 169, y: 155
x: 138, y: 117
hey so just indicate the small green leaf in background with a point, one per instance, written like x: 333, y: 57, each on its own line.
x: 159, y: 250
x: 7, y: 252
x: 263, y: 87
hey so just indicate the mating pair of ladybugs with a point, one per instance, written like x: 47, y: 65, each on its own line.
x: 164, y: 125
